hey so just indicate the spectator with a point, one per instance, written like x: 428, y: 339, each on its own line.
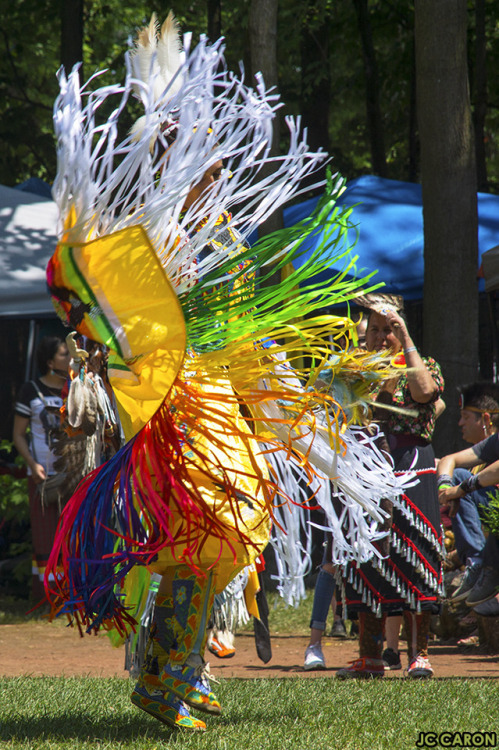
x: 479, y: 403
x: 409, y: 580
x: 475, y: 488
x: 324, y: 597
x: 38, y: 409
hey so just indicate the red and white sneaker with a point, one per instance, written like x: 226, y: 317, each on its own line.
x: 420, y: 668
x: 363, y: 668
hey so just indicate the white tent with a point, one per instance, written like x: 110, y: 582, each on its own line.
x: 27, y: 240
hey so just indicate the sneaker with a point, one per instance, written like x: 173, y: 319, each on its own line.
x: 165, y: 707
x: 338, y: 630
x: 218, y: 649
x: 191, y: 685
x: 485, y: 588
x: 470, y: 577
x: 391, y: 660
x: 420, y: 668
x: 314, y: 658
x: 363, y: 668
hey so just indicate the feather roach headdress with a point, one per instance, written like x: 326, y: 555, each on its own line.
x: 157, y: 61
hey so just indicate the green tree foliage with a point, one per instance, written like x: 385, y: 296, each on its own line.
x: 15, y: 543
x: 31, y: 50
x: 30, y: 57
x: 489, y: 514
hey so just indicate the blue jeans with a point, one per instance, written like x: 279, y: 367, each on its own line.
x: 323, y: 596
x: 466, y: 525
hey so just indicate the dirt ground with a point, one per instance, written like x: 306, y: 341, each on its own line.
x: 38, y: 648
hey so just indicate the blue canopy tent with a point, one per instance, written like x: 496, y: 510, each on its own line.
x: 388, y: 218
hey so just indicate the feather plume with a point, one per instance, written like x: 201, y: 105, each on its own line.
x: 379, y: 301
x: 170, y: 55
x: 148, y: 34
x: 89, y: 418
x: 158, y: 55
x: 155, y: 60
x: 142, y: 55
x: 75, y: 404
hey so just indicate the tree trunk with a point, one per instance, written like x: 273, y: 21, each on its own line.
x: 450, y: 305
x: 316, y: 84
x: 480, y: 96
x: 413, y: 162
x: 373, y: 109
x: 263, y: 49
x: 72, y: 34
x: 214, y: 9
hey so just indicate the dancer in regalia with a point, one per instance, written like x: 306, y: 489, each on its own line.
x: 152, y: 264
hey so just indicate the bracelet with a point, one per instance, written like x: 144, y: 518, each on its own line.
x: 410, y: 349
x: 470, y: 484
x: 444, y: 479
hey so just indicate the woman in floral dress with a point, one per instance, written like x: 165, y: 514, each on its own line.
x: 407, y: 577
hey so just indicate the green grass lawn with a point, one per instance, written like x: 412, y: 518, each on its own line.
x: 299, y: 714
x: 284, y: 619
x: 264, y: 714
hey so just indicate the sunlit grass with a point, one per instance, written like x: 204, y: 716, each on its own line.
x: 294, y: 714
x: 284, y: 619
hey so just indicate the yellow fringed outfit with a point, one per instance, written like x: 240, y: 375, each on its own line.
x: 167, y: 282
